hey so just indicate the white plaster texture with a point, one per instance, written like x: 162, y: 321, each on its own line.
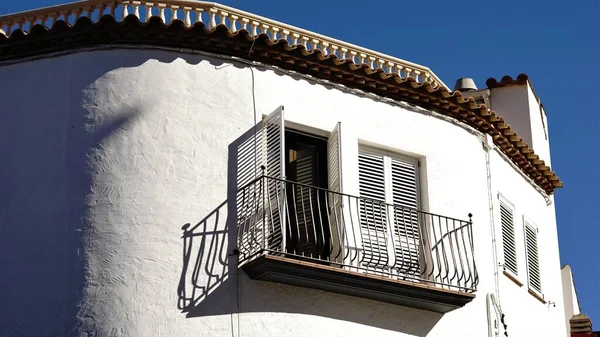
x: 569, y: 295
x: 539, y: 126
x: 106, y: 154
x: 520, y: 108
x: 529, y: 204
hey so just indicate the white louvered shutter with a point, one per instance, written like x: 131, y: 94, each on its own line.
x: 273, y: 133
x: 334, y: 160
x: 372, y: 209
x: 405, y: 197
x: 249, y: 198
x: 533, y: 264
x: 509, y: 246
x: 262, y: 146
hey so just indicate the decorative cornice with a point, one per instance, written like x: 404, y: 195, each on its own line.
x: 212, y: 14
x: 107, y: 31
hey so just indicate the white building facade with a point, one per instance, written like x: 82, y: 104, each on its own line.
x: 161, y: 180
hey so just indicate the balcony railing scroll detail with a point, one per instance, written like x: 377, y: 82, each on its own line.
x: 293, y: 220
x: 213, y: 14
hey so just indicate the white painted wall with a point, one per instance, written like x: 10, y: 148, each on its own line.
x: 539, y: 127
x: 520, y: 108
x: 107, y: 154
x: 512, y: 103
x: 518, y: 305
x: 570, y: 295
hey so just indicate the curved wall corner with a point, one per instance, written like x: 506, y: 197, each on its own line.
x: 105, y: 155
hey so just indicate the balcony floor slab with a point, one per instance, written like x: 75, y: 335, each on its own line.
x: 281, y: 269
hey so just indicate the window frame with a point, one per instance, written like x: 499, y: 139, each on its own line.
x: 387, y: 157
x: 387, y: 165
x: 527, y: 222
x: 293, y: 129
x: 512, y: 274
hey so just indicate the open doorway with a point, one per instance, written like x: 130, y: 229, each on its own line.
x: 308, y: 231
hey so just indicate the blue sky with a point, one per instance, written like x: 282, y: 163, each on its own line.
x: 555, y: 42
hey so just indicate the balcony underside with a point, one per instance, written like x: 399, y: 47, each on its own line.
x: 335, y: 279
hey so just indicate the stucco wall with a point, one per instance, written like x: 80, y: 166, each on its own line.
x: 570, y: 295
x: 107, y: 154
x: 520, y: 108
x: 512, y: 103
x: 520, y: 307
x: 539, y: 127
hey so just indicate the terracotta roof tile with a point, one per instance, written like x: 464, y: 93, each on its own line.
x: 507, y: 81
x: 84, y: 33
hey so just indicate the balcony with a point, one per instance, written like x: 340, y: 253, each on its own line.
x: 312, y: 237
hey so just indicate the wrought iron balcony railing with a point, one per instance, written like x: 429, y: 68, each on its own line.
x: 300, y: 224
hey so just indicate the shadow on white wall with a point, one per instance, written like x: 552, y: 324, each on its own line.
x: 211, y: 283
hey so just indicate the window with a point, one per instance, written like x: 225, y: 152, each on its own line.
x: 302, y: 211
x: 534, y: 279
x: 292, y: 201
x: 388, y: 187
x: 509, y: 246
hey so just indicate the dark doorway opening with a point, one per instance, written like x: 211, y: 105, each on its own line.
x: 306, y: 168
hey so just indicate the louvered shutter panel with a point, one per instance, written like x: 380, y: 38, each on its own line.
x: 508, y: 238
x: 274, y: 159
x: 249, y: 199
x: 533, y: 264
x: 334, y: 155
x: 405, y: 197
x: 373, y: 210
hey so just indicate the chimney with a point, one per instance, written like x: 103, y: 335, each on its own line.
x: 465, y: 84
x: 517, y: 102
x: 581, y: 325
